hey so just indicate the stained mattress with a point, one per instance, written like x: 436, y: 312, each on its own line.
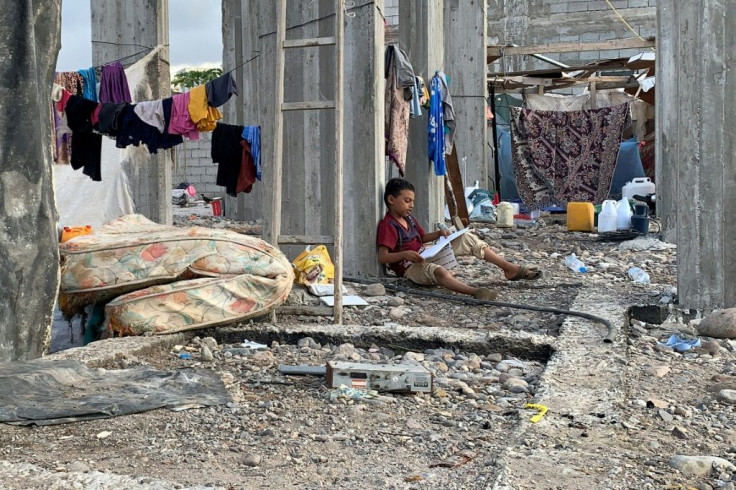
x: 163, y: 279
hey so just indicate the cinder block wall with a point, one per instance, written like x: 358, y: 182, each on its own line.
x: 194, y: 165
x: 527, y: 22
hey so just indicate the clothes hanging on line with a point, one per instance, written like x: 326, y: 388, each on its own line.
x: 221, y: 89
x: 397, y: 57
x: 108, y: 118
x: 90, y: 84
x: 560, y: 157
x: 435, y: 128
x: 200, y: 112
x: 415, y: 107
x: 152, y: 112
x: 396, y: 113
x: 252, y: 134
x: 181, y: 122
x: 133, y: 131
x: 114, y: 84
x: 441, y: 127
x: 73, y: 83
x: 236, y: 172
x: 86, y: 145
x: 448, y: 114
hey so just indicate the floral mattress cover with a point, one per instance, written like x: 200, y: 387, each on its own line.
x: 163, y: 279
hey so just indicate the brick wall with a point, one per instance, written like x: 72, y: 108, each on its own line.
x: 194, y: 165
x: 527, y: 22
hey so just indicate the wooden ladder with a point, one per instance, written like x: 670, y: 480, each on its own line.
x: 282, y: 45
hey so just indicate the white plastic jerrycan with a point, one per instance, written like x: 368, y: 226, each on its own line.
x: 505, y: 218
x: 623, y: 214
x: 641, y: 186
x: 607, y: 218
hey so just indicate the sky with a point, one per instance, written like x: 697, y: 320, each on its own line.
x: 195, y: 34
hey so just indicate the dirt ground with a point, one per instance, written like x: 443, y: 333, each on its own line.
x: 618, y: 413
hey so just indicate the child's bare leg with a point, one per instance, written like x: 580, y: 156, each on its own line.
x: 446, y: 279
x: 509, y: 270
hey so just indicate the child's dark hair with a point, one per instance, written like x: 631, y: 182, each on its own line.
x: 394, y: 188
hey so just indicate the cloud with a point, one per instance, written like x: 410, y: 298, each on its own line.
x: 195, y: 34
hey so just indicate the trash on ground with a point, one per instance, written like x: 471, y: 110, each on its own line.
x: 44, y: 392
x: 351, y: 300
x: 638, y: 275
x: 680, y: 344
x: 542, y: 409
x: 380, y: 377
x: 325, y: 289
x: 253, y: 345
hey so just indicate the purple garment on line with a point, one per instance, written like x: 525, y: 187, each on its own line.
x: 114, y: 84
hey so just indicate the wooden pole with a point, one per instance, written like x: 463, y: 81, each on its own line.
x: 339, y: 31
x: 278, y: 126
x: 278, y: 129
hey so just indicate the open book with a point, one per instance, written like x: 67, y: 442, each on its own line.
x: 433, y: 253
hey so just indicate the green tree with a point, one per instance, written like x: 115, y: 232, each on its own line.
x: 188, y: 79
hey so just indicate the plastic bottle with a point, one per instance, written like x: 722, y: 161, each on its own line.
x: 574, y: 263
x: 623, y: 214
x: 607, y: 217
x: 639, y: 276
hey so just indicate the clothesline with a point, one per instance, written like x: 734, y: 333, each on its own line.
x: 162, y: 124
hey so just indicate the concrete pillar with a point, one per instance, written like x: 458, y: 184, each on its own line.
x: 309, y: 137
x: 421, y: 34
x: 697, y: 162
x: 364, y: 146
x: 29, y: 254
x: 121, y: 29
x: 466, y: 30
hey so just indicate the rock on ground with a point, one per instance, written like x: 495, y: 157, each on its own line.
x: 721, y: 324
x: 699, y: 465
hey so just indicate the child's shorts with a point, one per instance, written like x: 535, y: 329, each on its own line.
x: 423, y: 273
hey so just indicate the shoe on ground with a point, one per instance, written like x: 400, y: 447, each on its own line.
x: 485, y: 294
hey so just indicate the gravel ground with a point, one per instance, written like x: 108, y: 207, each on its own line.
x: 281, y: 431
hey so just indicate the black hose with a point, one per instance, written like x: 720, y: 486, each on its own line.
x: 472, y: 301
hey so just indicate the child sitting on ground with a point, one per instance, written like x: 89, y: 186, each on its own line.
x: 400, y: 240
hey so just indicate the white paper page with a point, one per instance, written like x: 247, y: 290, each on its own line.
x: 430, y: 252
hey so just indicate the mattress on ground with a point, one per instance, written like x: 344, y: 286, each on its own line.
x: 150, y: 270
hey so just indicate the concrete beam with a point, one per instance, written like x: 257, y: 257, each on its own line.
x: 466, y: 30
x: 29, y: 255
x: 421, y: 33
x: 132, y: 27
x: 698, y: 162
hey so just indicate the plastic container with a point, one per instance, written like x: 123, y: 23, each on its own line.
x: 640, y: 220
x: 505, y: 215
x: 623, y: 214
x: 575, y: 264
x: 607, y: 217
x: 639, y: 276
x: 70, y: 232
x: 640, y: 186
x: 580, y: 216
x: 216, y: 206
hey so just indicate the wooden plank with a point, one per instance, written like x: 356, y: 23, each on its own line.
x: 303, y: 43
x: 456, y: 182
x: 308, y: 106
x: 305, y: 240
x: 339, y: 116
x: 557, y: 72
x: 278, y: 128
x: 571, y: 47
